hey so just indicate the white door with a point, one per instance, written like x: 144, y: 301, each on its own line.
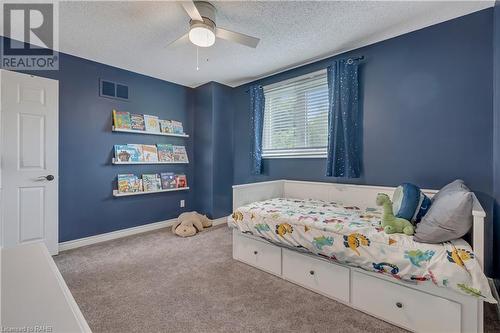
x: 29, y: 159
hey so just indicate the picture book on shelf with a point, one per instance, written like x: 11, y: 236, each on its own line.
x: 151, y: 182
x: 129, y: 183
x: 166, y: 126
x: 137, y: 149
x: 149, y: 153
x: 137, y: 122
x: 152, y: 123
x: 180, y: 154
x: 128, y: 153
x: 177, y: 127
x: 165, y: 152
x: 181, y: 181
x: 168, y: 180
x: 121, y: 120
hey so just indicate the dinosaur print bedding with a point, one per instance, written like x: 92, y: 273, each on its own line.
x: 352, y: 236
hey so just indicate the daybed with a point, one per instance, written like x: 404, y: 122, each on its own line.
x: 326, y: 237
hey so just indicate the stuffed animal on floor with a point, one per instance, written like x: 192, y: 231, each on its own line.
x: 190, y: 223
x: 391, y: 223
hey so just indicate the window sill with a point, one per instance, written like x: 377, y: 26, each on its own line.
x: 295, y: 153
x: 269, y: 157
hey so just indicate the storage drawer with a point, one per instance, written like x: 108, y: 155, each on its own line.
x: 323, y: 277
x: 257, y: 253
x: 412, y: 309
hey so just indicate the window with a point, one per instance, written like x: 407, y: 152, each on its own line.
x: 296, y: 117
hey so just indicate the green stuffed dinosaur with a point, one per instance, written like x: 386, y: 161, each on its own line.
x: 391, y: 223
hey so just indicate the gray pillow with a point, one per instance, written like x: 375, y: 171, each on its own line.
x: 454, y: 186
x: 450, y: 216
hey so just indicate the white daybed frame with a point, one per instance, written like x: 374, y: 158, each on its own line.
x: 421, y: 308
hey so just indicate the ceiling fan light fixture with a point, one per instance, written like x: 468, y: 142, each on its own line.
x: 202, y: 35
x: 203, y: 27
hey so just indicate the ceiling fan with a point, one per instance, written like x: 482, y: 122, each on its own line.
x: 203, y: 28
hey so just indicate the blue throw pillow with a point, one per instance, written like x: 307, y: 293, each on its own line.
x: 410, y: 203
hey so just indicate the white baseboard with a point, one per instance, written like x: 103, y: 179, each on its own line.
x: 219, y: 221
x: 73, y: 244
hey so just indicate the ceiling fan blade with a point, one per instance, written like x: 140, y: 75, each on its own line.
x: 191, y: 10
x: 237, y: 37
x: 179, y: 40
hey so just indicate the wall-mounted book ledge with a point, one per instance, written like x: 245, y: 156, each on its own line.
x: 115, y: 161
x: 183, y: 135
x: 125, y: 194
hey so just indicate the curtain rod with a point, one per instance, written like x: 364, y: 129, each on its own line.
x: 350, y: 61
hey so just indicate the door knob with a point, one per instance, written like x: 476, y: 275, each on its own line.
x: 48, y: 177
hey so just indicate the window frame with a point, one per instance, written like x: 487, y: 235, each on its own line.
x: 318, y: 152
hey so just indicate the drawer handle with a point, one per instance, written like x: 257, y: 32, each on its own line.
x: 311, y: 272
x: 399, y: 305
x: 255, y: 252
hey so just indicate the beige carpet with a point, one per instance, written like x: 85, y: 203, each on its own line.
x: 156, y: 282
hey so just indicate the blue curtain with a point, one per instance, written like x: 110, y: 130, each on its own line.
x: 257, y: 104
x: 343, y: 120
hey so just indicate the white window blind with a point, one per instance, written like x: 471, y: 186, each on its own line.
x: 296, y: 117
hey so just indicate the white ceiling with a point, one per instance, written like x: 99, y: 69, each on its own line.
x: 134, y: 35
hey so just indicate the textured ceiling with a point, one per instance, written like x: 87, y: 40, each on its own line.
x: 135, y: 35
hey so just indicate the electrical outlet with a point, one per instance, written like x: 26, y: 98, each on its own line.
x: 183, y: 203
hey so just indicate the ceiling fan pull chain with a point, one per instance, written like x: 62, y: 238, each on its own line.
x: 197, y: 59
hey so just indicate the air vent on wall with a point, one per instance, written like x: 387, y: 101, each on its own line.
x: 113, y: 90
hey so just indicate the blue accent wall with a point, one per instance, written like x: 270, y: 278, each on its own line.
x: 203, y: 154
x: 213, y: 150
x: 496, y: 136
x: 223, y: 154
x: 427, y: 113
x: 86, y: 175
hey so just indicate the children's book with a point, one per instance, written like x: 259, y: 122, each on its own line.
x: 177, y: 127
x: 165, y: 152
x: 181, y: 181
x: 129, y: 183
x: 121, y: 119
x: 180, y: 154
x: 123, y: 153
x: 137, y: 122
x: 166, y: 126
x: 151, y: 182
x: 124, y: 182
x: 136, y: 150
x: 149, y: 153
x: 152, y: 123
x: 168, y: 180
x: 128, y: 153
